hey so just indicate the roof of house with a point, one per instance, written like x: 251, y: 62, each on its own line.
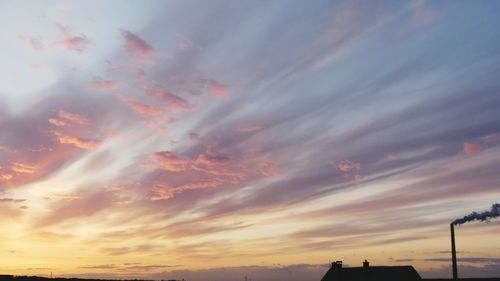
x: 372, y: 273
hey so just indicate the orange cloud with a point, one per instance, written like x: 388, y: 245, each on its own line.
x: 146, y: 109
x: 211, y: 159
x: 61, y: 197
x: 75, y: 118
x: 22, y: 168
x: 57, y: 122
x: 162, y: 192
x: 169, y: 161
x: 5, y: 176
x: 74, y: 43
x: 88, y: 144
x: 134, y: 44
x: 470, y: 148
x: 140, y: 107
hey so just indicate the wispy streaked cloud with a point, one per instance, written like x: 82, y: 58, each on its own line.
x: 213, y: 141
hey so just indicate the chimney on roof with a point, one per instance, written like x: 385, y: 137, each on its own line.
x: 337, y: 270
x: 366, y: 264
x: 337, y: 265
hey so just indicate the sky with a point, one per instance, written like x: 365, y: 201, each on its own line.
x: 218, y: 140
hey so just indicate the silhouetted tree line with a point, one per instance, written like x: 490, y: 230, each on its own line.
x: 37, y: 278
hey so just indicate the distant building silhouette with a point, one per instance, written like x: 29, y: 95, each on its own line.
x: 370, y: 273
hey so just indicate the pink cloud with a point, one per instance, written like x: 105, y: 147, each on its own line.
x: 36, y: 66
x: 34, y: 43
x: 470, y: 148
x: 140, y: 75
x: 140, y: 107
x: 135, y: 44
x: 74, y: 43
x: 209, y: 169
x: 169, y: 161
x: 146, y: 109
x: 348, y: 166
x: 184, y: 45
x: 491, y: 138
x: 248, y: 129
x: 75, y: 118
x: 162, y: 192
x: 211, y: 159
x: 219, y: 90
x: 172, y: 100
x: 104, y: 85
x: 392, y: 157
x: 269, y: 169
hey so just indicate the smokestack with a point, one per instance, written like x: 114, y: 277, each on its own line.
x: 494, y: 212
x: 453, y: 253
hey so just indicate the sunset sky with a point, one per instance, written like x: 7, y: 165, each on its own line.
x: 213, y: 140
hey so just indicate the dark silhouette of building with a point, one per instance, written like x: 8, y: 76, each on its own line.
x: 370, y: 273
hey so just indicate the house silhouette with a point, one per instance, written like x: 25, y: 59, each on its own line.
x: 370, y: 273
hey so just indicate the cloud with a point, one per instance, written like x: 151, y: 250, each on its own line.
x: 248, y: 129
x: 470, y: 148
x: 465, y: 271
x: 184, y: 45
x: 140, y: 107
x: 22, y: 168
x: 101, y: 266
x: 491, y: 138
x: 75, y: 118
x: 84, y: 206
x: 218, y: 90
x: 488, y: 260
x: 294, y: 272
x: 11, y: 200
x: 207, y: 170
x: 211, y: 159
x: 57, y: 122
x: 104, y: 85
x: 348, y: 166
x: 36, y: 66
x: 161, y: 192
x: 89, y: 144
x: 422, y: 15
x: 136, y: 45
x: 140, y: 75
x: 34, y: 43
x: 168, y: 97
x: 76, y: 44
x: 169, y: 161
